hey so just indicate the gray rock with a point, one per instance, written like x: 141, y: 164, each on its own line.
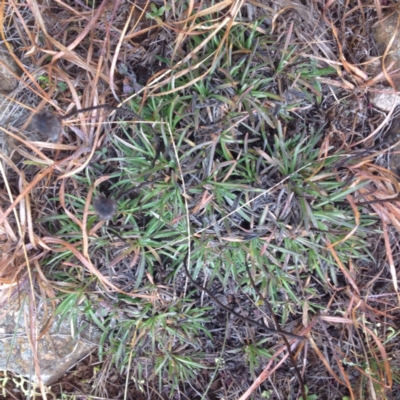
x: 383, y: 33
x: 385, y: 100
x: 57, y: 350
x: 8, y: 82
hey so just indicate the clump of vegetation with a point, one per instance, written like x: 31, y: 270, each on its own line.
x: 249, y: 219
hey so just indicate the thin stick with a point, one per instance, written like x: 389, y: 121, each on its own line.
x: 278, y: 328
x: 244, y: 319
x: 106, y: 106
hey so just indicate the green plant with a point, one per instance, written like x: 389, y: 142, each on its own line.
x: 224, y: 148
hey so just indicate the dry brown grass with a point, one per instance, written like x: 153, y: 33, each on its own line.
x: 78, y: 52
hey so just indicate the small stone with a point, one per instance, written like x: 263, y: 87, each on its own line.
x: 384, y: 101
x: 48, y: 125
x: 105, y: 208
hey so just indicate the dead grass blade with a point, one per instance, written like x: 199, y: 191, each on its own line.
x: 40, y: 92
x: 390, y: 257
x: 358, y: 75
x: 90, y: 267
x: 25, y: 191
x: 68, y: 54
x: 88, y: 157
x: 118, y: 48
x: 84, y: 32
x: 324, y: 361
x: 384, y: 358
x: 342, y: 267
x: 271, y: 368
x: 83, y: 225
x: 64, y: 206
